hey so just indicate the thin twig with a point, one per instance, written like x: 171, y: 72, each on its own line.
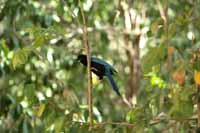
x: 116, y: 123
x: 108, y: 123
x: 151, y: 123
x: 87, y: 47
x: 198, y: 105
x: 162, y: 11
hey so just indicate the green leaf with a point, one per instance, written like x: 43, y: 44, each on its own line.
x: 25, y: 127
x: 41, y: 110
x: 172, y: 29
x: 135, y: 115
x: 20, y: 57
x: 29, y: 90
x: 182, y: 110
x: 59, y: 124
x: 154, y: 57
x: 183, y: 105
x: 154, y: 26
x: 196, y: 65
x: 4, y: 47
x: 60, y: 9
x: 38, y: 41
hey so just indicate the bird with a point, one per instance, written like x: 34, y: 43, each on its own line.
x: 101, y: 68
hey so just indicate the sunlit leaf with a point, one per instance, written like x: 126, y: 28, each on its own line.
x: 38, y: 41
x: 20, y: 57
x: 157, y: 81
x: 4, y: 47
x: 41, y: 110
x: 197, y: 77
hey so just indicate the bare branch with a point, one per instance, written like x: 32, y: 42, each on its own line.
x: 89, y: 75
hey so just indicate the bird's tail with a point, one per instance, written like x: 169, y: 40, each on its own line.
x: 113, y: 84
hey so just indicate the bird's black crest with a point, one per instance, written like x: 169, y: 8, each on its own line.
x: 82, y: 58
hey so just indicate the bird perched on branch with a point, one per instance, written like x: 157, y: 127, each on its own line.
x: 101, y: 69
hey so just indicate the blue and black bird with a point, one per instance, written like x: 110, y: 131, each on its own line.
x: 101, y: 69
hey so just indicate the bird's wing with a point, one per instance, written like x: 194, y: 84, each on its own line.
x: 99, y: 61
x: 112, y: 82
x: 102, y: 62
x: 97, y: 72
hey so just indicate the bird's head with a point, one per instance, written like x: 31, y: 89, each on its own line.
x: 82, y: 58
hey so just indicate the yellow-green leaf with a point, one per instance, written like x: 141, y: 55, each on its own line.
x: 59, y: 124
x: 20, y: 57
x: 41, y: 110
x: 38, y: 41
x: 197, y: 77
x: 154, y: 27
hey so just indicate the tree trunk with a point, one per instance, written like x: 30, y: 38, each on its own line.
x: 134, y: 66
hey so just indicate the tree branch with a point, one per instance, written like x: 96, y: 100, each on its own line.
x: 198, y: 105
x: 108, y: 123
x: 89, y: 75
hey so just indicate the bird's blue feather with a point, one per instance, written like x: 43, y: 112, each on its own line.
x: 112, y: 82
x: 103, y: 63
